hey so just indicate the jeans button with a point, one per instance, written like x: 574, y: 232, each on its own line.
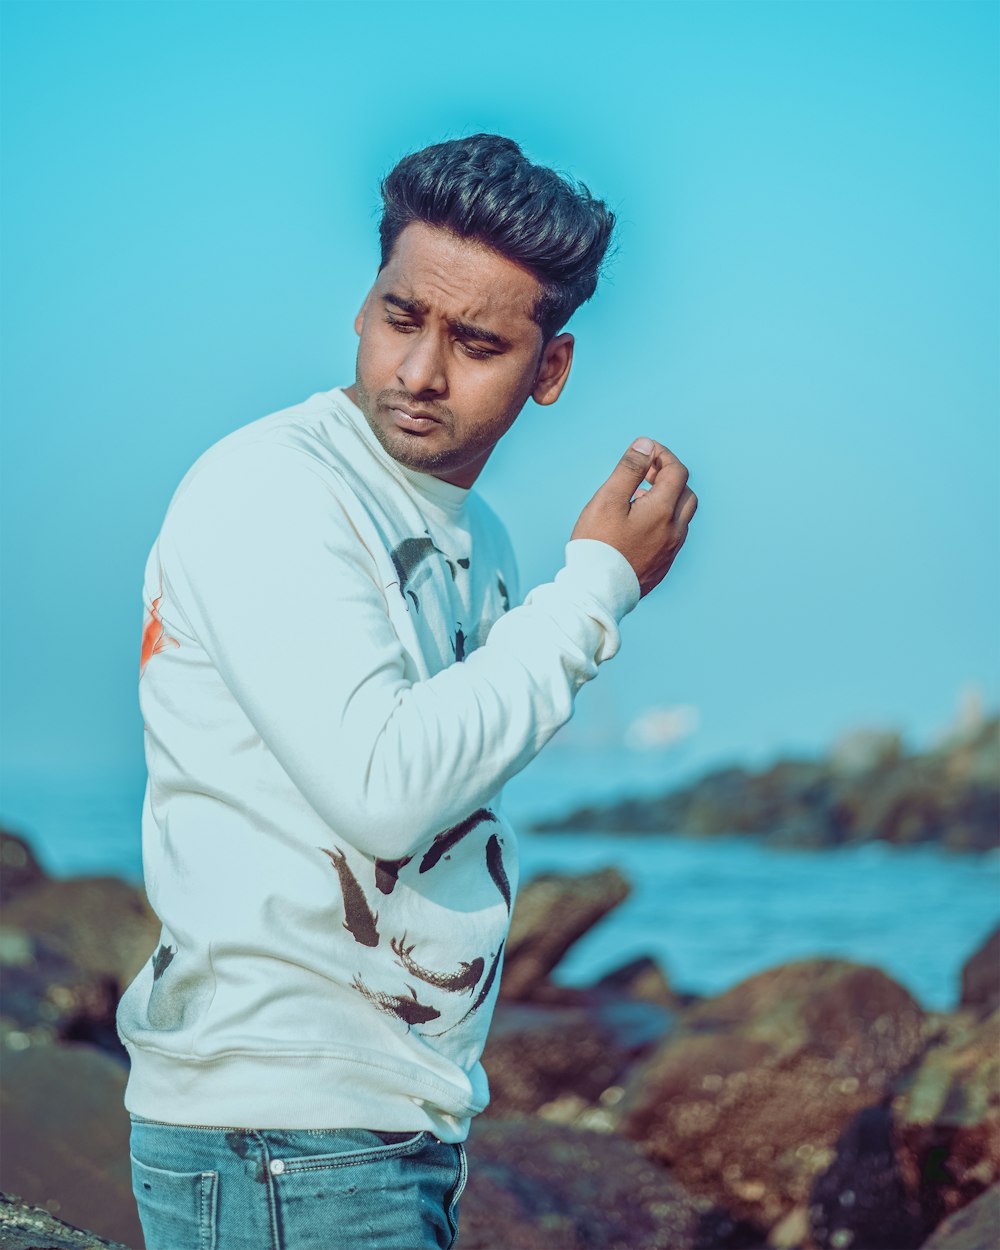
x: 277, y: 1167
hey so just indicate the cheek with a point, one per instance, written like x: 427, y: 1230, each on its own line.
x: 374, y: 354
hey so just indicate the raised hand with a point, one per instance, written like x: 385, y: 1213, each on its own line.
x: 646, y: 523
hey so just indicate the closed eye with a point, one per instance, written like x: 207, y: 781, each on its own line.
x: 476, y: 353
x: 404, y: 326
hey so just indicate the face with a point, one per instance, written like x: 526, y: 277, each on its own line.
x: 449, y: 353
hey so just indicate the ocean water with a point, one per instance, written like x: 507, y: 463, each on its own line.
x: 710, y: 911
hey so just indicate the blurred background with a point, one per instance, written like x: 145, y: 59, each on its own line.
x: 803, y: 305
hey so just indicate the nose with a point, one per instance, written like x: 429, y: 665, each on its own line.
x: 422, y: 369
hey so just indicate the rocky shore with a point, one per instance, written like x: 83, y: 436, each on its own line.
x: 814, y: 1106
x: 867, y: 787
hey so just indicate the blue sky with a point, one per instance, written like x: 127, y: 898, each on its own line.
x: 803, y: 306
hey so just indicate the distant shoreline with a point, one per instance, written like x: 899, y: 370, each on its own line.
x: 866, y: 789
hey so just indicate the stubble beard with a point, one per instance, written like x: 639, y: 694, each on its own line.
x: 410, y: 450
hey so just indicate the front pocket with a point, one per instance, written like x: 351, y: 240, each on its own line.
x: 359, y: 1146
x: 368, y: 1193
x: 175, y: 1208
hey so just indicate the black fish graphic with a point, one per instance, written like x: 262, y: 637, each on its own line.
x: 407, y: 557
x: 161, y: 959
x: 481, y: 997
x: 445, y: 841
x: 409, y: 1010
x: 503, y: 593
x: 387, y: 872
x: 494, y: 865
x: 463, y: 981
x: 458, y: 646
x: 360, y: 919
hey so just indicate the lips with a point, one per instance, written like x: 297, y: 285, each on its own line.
x: 412, y: 413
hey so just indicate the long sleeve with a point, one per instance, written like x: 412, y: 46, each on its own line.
x: 268, y: 573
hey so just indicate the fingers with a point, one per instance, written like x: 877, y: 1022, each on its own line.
x: 668, y: 482
x: 631, y: 470
x: 656, y: 473
x: 687, y: 505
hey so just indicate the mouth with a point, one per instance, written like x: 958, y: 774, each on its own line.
x: 411, y: 418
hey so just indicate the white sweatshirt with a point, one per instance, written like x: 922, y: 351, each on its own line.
x: 334, y: 694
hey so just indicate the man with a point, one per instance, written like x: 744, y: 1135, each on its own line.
x: 337, y: 679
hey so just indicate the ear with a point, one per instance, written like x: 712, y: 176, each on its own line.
x: 553, y: 369
x: 359, y: 320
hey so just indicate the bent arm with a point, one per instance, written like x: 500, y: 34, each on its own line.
x: 288, y: 607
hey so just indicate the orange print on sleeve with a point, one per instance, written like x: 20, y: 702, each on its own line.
x: 154, y: 637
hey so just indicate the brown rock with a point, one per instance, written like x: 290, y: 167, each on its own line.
x: 19, y: 869
x: 550, y: 914
x: 102, y: 924
x: 975, y: 1227
x: 981, y: 976
x: 537, y: 1054
x: 747, y: 1100
x: 643, y: 980
x: 46, y: 997
x: 66, y: 1137
x: 537, y: 1186
x: 946, y: 1122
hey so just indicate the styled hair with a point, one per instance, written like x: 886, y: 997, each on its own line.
x: 484, y: 188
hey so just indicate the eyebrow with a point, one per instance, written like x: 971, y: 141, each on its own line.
x: 463, y: 329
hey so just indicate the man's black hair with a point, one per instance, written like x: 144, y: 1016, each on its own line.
x: 485, y: 188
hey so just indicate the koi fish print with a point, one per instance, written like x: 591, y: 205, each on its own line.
x: 154, y: 637
x: 481, y: 997
x: 504, y: 597
x: 494, y: 866
x: 161, y: 961
x: 387, y: 873
x: 464, y: 981
x: 360, y: 921
x: 444, y: 842
x: 410, y: 1010
x: 458, y: 646
x: 407, y: 557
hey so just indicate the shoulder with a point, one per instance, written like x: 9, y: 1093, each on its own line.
x: 263, y: 462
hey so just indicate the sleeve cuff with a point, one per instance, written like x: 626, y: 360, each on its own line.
x: 604, y: 573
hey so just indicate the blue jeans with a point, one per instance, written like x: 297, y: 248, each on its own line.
x: 294, y: 1189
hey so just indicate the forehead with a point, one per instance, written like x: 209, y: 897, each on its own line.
x: 460, y: 278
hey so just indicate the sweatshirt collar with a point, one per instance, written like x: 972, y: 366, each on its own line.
x: 446, y: 495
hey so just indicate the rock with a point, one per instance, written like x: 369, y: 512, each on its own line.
x: 550, y: 914
x: 864, y: 750
x: 642, y: 979
x: 24, y: 1227
x: 537, y: 1186
x: 46, y: 997
x: 981, y: 976
x: 103, y: 925
x: 973, y: 1228
x: 860, y: 1200
x: 946, y: 1122
x: 19, y: 869
x: 66, y: 1137
x: 536, y: 1054
x: 745, y: 1101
